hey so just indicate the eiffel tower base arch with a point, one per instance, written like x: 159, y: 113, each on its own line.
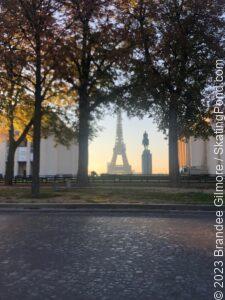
x: 119, y: 149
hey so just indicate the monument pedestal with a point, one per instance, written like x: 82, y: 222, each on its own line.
x: 146, y: 162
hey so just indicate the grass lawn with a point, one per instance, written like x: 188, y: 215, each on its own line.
x: 145, y: 195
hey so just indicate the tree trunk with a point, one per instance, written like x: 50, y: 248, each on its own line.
x: 35, y: 188
x: 9, y: 174
x: 13, y: 145
x: 173, y: 148
x: 83, y: 136
x: 36, y: 151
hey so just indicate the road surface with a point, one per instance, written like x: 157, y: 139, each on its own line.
x: 106, y: 256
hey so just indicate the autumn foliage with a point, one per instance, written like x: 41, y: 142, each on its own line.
x: 150, y: 57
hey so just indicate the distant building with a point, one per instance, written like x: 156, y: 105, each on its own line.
x: 196, y: 156
x: 54, y: 158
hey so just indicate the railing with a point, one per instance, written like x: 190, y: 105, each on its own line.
x: 116, y: 179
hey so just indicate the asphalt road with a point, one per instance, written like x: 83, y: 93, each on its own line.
x: 103, y: 256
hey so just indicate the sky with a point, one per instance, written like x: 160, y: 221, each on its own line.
x: 101, y: 147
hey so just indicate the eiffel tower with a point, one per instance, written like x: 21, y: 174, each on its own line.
x: 119, y: 149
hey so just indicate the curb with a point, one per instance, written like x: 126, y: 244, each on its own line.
x: 105, y: 207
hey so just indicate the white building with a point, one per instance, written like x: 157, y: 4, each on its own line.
x: 198, y: 156
x: 54, y: 158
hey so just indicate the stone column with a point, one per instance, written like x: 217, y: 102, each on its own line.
x: 205, y: 156
x: 188, y: 150
x: 28, y: 171
x: 146, y: 162
x: 16, y: 166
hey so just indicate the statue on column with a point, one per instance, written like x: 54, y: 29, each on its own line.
x: 145, y: 141
x: 146, y: 156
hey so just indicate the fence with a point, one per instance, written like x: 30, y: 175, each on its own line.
x: 106, y: 179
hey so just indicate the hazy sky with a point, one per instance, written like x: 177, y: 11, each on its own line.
x: 101, y: 148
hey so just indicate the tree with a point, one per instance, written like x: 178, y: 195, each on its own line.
x: 16, y: 121
x: 16, y: 104
x: 173, y: 47
x: 91, y: 49
x: 38, y: 29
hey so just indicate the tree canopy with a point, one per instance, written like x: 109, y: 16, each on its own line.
x: 173, y: 47
x: 63, y: 57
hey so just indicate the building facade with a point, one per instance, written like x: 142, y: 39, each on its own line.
x: 55, y: 159
x: 197, y: 156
